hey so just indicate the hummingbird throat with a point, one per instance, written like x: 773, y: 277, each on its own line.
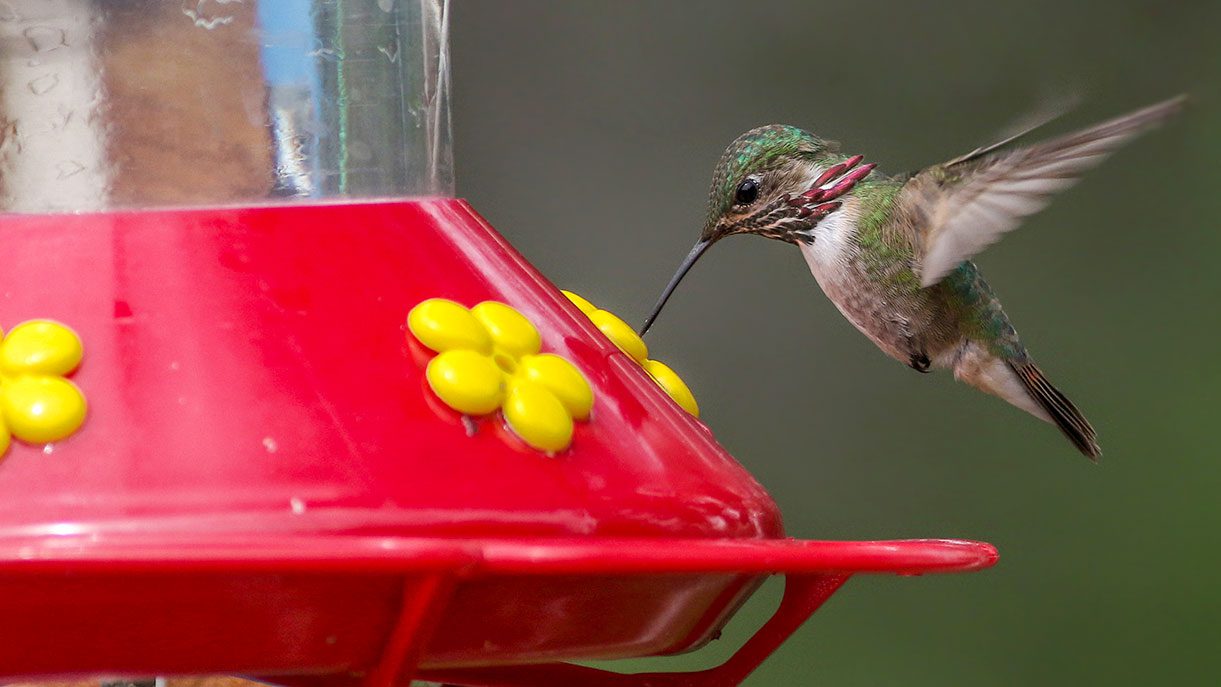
x: 818, y: 202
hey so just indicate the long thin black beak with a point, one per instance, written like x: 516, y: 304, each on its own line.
x: 696, y: 252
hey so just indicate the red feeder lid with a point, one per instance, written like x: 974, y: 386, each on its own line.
x: 265, y: 483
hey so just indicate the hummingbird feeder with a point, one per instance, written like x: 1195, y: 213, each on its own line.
x: 234, y: 446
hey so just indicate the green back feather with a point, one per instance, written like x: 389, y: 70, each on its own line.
x: 982, y: 317
x: 889, y: 256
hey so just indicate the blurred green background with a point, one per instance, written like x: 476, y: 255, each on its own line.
x: 587, y: 131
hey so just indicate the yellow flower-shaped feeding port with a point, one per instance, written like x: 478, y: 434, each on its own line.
x: 488, y: 358
x: 628, y: 341
x: 37, y: 405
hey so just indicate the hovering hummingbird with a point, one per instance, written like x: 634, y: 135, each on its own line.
x: 893, y: 253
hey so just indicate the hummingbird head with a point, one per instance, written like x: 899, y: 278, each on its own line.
x: 773, y: 182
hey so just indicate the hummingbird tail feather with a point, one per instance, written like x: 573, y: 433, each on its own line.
x: 1062, y: 411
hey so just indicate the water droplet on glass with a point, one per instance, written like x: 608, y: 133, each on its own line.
x: 204, y: 17
x: 390, y: 51
x: 48, y: 449
x: 270, y: 444
x: 68, y: 168
x: 44, y: 84
x: 59, y: 121
x: 385, y: 5
x: 297, y: 505
x: 45, y: 38
x: 326, y: 52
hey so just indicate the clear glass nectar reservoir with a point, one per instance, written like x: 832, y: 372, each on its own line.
x: 137, y: 103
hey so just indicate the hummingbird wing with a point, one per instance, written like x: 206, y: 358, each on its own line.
x: 976, y: 198
x: 1021, y: 128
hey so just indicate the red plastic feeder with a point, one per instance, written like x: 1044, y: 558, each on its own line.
x: 266, y: 485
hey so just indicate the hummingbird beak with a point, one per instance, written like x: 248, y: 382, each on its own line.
x: 696, y: 252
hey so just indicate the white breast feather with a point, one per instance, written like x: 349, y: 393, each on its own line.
x: 830, y: 250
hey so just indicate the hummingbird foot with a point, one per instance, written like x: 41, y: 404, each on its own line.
x: 919, y: 362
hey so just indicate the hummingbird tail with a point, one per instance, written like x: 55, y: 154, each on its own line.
x: 1062, y: 411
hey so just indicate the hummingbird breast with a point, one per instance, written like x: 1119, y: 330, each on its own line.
x: 868, y: 273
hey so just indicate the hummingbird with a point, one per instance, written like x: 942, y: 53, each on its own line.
x: 893, y: 253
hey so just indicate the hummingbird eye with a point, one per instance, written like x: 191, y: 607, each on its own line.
x: 747, y: 192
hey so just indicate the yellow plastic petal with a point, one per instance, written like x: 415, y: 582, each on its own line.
x: 562, y: 379
x: 42, y: 409
x: 582, y: 304
x: 621, y: 334
x: 444, y: 325
x: 510, y: 330
x: 673, y: 385
x: 538, y: 417
x: 42, y: 347
x: 466, y: 381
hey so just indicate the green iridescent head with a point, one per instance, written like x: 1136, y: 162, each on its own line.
x: 759, y: 165
x: 776, y: 181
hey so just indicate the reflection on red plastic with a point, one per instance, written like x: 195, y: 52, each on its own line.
x: 265, y: 484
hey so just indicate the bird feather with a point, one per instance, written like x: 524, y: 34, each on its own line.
x: 978, y: 197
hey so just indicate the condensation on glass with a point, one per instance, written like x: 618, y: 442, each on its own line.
x: 141, y: 103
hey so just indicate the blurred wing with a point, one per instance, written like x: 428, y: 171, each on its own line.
x: 1020, y: 129
x: 978, y: 197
